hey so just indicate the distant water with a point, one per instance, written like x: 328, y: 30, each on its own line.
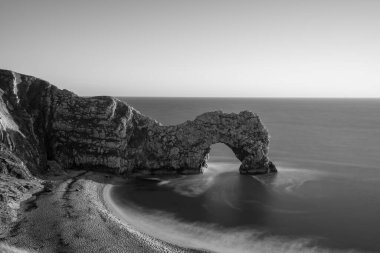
x: 326, y: 196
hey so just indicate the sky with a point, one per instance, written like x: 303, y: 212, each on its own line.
x: 196, y: 48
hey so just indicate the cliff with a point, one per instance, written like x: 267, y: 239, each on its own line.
x: 42, y: 127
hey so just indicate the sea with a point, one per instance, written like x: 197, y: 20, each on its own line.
x: 324, y: 198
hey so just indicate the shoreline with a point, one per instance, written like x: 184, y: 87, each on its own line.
x: 144, y: 227
x: 105, y: 199
x: 74, y: 217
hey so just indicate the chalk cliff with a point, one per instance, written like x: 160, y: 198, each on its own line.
x: 42, y: 127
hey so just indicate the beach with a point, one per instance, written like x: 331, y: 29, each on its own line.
x: 72, y: 217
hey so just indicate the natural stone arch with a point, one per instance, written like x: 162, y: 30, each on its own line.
x: 184, y: 148
x: 45, y: 125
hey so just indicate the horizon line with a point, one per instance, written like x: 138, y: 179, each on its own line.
x: 202, y: 97
x: 225, y: 97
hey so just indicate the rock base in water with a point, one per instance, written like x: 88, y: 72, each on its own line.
x: 44, y: 127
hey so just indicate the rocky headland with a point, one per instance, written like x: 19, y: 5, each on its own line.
x: 45, y: 131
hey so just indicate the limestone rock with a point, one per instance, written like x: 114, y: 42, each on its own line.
x: 41, y: 123
x: 13, y: 191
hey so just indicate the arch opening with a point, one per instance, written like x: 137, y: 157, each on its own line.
x: 222, y: 157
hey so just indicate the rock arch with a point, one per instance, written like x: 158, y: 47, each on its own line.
x: 44, y: 125
x: 184, y: 148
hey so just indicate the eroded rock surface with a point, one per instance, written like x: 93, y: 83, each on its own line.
x: 42, y: 126
x: 184, y: 148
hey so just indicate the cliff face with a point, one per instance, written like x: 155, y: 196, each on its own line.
x: 42, y: 126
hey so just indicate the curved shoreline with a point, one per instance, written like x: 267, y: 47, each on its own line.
x: 74, y: 217
x: 114, y: 213
x: 149, y: 240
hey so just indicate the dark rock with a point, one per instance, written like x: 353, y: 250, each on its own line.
x: 44, y: 128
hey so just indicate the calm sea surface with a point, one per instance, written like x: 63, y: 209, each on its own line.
x: 326, y: 196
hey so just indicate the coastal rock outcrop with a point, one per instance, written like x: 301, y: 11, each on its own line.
x: 41, y: 125
x: 184, y: 148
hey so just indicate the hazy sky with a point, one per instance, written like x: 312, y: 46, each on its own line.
x: 283, y: 48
